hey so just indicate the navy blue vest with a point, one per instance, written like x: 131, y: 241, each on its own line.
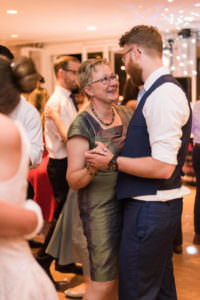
x: 137, y: 145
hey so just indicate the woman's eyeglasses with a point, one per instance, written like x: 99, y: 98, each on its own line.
x: 106, y: 80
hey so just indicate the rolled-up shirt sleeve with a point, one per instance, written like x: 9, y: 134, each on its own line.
x: 166, y: 111
x: 29, y: 117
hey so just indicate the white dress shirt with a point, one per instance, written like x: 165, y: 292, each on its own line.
x: 54, y: 143
x: 166, y: 111
x: 28, y: 116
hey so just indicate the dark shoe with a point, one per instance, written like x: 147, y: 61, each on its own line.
x: 196, y: 239
x: 41, y: 252
x: 71, y: 268
x: 34, y: 244
x: 60, y: 286
x: 178, y: 249
x: 45, y: 261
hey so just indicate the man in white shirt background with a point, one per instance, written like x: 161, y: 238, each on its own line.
x: 65, y: 69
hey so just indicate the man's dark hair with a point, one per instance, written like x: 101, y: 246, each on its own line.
x: 6, y: 52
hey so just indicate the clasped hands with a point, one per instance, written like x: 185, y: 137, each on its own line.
x: 99, y: 157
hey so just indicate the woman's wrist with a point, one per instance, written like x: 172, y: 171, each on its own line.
x: 90, y: 171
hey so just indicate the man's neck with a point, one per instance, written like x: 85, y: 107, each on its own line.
x: 62, y: 85
x: 150, y: 67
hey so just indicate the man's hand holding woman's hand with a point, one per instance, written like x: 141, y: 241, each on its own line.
x: 99, y: 157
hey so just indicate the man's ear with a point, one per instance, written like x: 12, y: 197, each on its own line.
x: 136, y: 52
x: 88, y: 90
x: 60, y: 73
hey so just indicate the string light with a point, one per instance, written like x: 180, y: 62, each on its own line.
x: 184, y: 45
x: 172, y: 68
x: 180, y: 57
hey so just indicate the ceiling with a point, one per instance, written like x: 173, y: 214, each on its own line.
x: 40, y: 21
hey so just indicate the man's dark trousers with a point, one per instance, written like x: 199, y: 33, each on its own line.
x: 56, y: 170
x: 146, y: 271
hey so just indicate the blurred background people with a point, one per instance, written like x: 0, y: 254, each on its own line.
x: 196, y: 165
x: 68, y: 243
x: 65, y: 69
x: 130, y: 93
x: 17, y: 263
x: 28, y: 116
x: 38, y: 97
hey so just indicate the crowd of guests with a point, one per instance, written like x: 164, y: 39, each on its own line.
x: 115, y: 173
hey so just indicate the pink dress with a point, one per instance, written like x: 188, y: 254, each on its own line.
x: 21, y: 277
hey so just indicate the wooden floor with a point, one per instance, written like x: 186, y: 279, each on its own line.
x: 186, y: 265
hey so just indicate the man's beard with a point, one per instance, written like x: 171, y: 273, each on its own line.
x: 135, y: 73
x: 75, y: 89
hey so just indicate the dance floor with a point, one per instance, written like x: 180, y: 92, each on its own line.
x: 186, y: 265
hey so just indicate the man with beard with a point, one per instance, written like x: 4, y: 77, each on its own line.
x: 65, y: 68
x: 149, y: 181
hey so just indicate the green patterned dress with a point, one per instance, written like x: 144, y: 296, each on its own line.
x: 99, y: 210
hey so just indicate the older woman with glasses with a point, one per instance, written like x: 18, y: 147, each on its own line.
x: 101, y: 121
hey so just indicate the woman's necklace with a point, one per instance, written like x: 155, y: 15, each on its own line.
x: 98, y: 118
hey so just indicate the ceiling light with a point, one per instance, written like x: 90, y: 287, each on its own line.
x: 170, y: 0
x: 91, y: 28
x: 197, y: 4
x: 12, y: 11
x: 14, y: 36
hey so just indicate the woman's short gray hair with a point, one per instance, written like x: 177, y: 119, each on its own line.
x: 86, y: 69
